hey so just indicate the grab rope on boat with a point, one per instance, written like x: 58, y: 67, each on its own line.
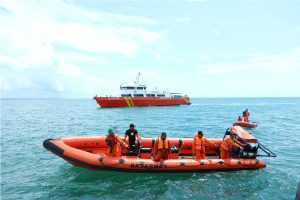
x: 268, y: 152
x: 182, y: 163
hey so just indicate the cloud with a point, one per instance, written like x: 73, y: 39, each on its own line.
x: 216, y: 32
x: 41, y: 41
x: 183, y: 19
x: 206, y: 57
x: 258, y: 64
x: 56, y: 76
x: 252, y: 75
x: 162, y: 58
x: 32, y: 24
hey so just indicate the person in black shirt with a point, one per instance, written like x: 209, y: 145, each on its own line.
x: 133, y: 136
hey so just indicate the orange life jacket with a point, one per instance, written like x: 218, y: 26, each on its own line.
x: 112, y: 139
x: 199, y: 143
x: 227, y: 143
x: 162, y: 144
x: 247, y: 114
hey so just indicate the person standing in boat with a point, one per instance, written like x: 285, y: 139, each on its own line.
x: 227, y: 146
x: 133, y: 136
x: 162, y: 148
x: 199, y: 145
x: 246, y: 115
x: 114, y: 142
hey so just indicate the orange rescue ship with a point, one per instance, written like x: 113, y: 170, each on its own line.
x: 138, y: 95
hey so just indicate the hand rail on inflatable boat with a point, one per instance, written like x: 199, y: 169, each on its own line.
x: 268, y: 152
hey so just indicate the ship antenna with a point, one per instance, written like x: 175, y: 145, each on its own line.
x: 137, y: 81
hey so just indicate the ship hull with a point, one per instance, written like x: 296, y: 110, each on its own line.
x: 112, y: 102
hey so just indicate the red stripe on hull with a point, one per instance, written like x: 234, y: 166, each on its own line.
x: 110, y: 102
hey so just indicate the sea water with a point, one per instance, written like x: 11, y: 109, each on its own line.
x: 28, y: 171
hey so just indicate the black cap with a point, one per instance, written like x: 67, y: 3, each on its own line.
x: 132, y: 125
x: 200, y: 132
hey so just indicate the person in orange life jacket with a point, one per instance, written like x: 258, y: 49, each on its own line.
x: 227, y: 145
x: 200, y: 144
x: 240, y: 119
x: 133, y: 136
x: 246, y: 115
x: 162, y: 148
x: 114, y: 143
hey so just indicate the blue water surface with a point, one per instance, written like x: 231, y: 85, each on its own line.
x: 28, y: 171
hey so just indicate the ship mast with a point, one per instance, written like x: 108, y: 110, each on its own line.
x: 137, y: 80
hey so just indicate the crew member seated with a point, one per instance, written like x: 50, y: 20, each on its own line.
x: 227, y: 146
x: 162, y: 148
x: 200, y: 144
x: 133, y: 136
x: 240, y: 119
x: 114, y: 142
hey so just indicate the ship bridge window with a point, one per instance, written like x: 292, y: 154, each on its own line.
x: 177, y: 96
x: 161, y: 95
x: 138, y: 95
x: 125, y: 95
x: 150, y: 95
x: 126, y: 88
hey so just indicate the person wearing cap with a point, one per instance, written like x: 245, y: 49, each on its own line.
x: 199, y: 145
x: 227, y: 145
x: 114, y: 143
x: 133, y: 136
x: 162, y: 148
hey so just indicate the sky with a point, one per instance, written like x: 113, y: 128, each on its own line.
x: 77, y: 49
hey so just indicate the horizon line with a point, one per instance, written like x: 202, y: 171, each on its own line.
x: 3, y: 98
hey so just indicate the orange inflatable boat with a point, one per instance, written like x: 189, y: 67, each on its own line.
x: 245, y: 124
x: 90, y: 152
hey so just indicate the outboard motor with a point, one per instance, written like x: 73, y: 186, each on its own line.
x: 250, y: 150
x: 252, y: 145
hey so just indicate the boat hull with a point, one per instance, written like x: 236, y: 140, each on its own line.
x: 111, y: 102
x: 89, y: 152
x: 245, y: 124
